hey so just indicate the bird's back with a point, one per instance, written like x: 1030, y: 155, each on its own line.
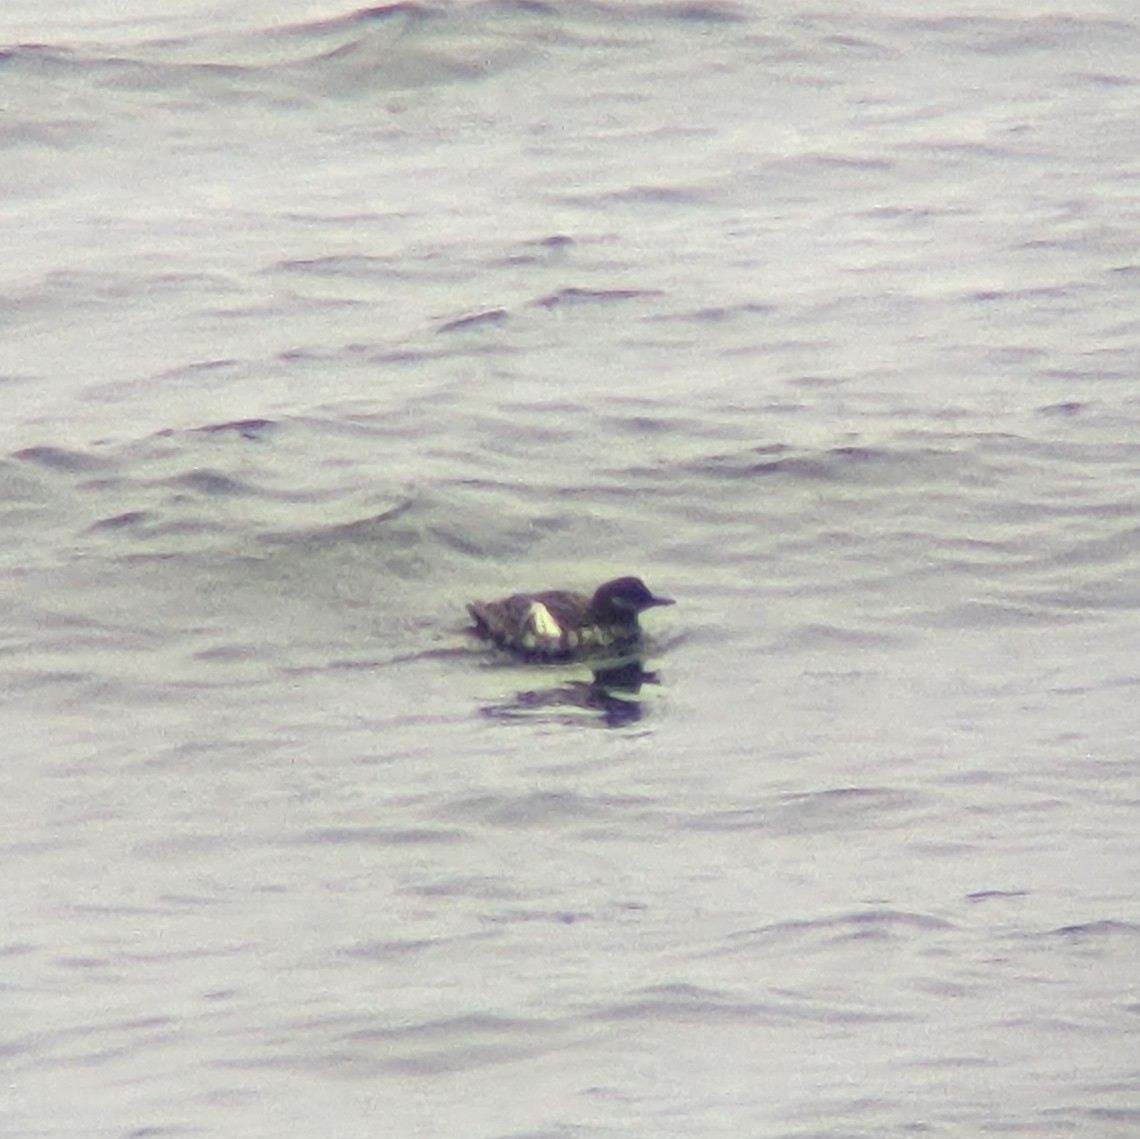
x: 547, y: 623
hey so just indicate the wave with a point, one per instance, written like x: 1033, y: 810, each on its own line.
x: 385, y: 48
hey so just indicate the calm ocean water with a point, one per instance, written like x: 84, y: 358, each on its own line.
x: 318, y: 323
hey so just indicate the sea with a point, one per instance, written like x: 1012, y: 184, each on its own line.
x: 319, y: 322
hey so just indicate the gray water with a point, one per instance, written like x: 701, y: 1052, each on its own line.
x: 318, y: 323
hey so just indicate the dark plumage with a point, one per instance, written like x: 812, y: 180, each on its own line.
x: 556, y: 625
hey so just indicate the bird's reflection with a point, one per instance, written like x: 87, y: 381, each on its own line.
x: 611, y: 694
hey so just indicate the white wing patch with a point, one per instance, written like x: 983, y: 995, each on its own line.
x: 542, y: 622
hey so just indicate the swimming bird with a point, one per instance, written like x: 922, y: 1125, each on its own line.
x: 556, y: 625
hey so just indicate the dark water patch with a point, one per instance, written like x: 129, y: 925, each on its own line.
x: 580, y: 296
x: 545, y: 251
x: 366, y: 664
x: 60, y: 459
x: 78, y: 288
x: 212, y: 483
x: 393, y: 950
x: 484, y: 889
x: 1130, y: 271
x: 213, y: 369
x: 25, y: 486
x: 561, y: 1131
x: 58, y: 133
x: 184, y: 903
x: 859, y: 45
x: 682, y: 1003
x: 252, y: 429
x: 663, y: 424
x: 451, y: 538
x: 1122, y: 545
x: 996, y: 896
x: 236, y: 653
x: 42, y: 56
x: 19, y: 379
x: 1129, y: 1115
x: 32, y: 681
x: 542, y: 917
x: 19, y: 1047
x: 382, y: 836
x: 292, y: 67
x: 518, y: 438
x: 998, y: 36
x: 357, y: 265
x: 1090, y: 601
x: 177, y: 74
x: 906, y: 213
x: 823, y: 166
x: 558, y: 406
x: 775, y: 458
x: 1066, y: 408
x: 720, y: 314
x: 1108, y: 927
x: 947, y: 152
x: 409, y: 46
x: 403, y: 357
x: 18, y: 948
x: 839, y: 464
x: 841, y: 808
x: 813, y: 636
x: 953, y: 1063
x: 677, y: 1001
x: 452, y: 1044
x: 123, y: 521
x: 170, y: 486
x: 862, y: 925
x: 185, y: 846
x: 175, y: 534
x: 376, y: 527
x: 990, y: 296
x: 1051, y: 452
x: 149, y: 75
x: 539, y: 808
x: 1107, y: 80
x: 475, y: 320
x: 363, y: 17
x: 684, y: 196
x: 989, y: 615
x: 692, y: 1004
x: 700, y: 13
